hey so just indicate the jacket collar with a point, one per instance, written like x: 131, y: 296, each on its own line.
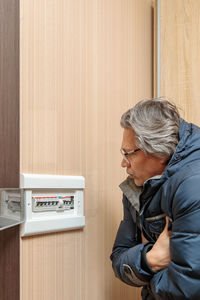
x: 133, y: 192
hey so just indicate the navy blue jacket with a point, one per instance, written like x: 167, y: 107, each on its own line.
x: 176, y: 194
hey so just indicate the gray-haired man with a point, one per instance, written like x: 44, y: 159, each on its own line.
x: 158, y: 240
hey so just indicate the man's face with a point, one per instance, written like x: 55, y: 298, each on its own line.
x: 141, y: 166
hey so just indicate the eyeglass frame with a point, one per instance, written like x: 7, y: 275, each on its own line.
x: 125, y: 154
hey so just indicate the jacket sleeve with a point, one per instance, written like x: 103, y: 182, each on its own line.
x: 127, y: 251
x: 181, y: 279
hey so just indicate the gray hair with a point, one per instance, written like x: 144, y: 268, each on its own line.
x: 156, y: 125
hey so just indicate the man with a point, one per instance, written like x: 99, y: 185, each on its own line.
x: 158, y: 241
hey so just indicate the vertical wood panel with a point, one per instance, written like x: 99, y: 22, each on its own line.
x: 9, y: 140
x: 9, y: 264
x: 83, y: 63
x: 180, y: 64
x: 9, y: 93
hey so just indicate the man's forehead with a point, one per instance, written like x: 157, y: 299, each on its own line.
x: 128, y: 140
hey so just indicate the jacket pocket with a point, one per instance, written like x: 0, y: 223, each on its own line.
x: 155, y: 225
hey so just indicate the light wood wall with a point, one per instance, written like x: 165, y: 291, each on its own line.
x: 180, y: 63
x: 82, y: 64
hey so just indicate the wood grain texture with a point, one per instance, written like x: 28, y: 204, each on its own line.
x: 9, y: 93
x: 9, y: 140
x: 180, y: 64
x: 83, y: 63
x: 9, y: 264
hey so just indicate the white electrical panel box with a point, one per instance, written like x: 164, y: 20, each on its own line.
x: 52, y: 203
x: 44, y: 203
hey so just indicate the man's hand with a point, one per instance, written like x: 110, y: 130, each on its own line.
x: 159, y: 256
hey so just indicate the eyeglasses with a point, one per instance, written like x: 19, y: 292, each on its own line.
x: 125, y: 154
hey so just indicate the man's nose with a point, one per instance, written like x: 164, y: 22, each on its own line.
x: 124, y: 163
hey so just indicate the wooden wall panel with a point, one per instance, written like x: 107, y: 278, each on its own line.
x: 180, y: 64
x: 9, y: 264
x: 9, y: 140
x: 9, y: 93
x: 83, y: 63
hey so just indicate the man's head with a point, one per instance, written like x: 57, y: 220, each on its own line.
x: 152, y: 127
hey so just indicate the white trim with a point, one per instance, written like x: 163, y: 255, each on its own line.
x: 32, y: 181
x: 31, y: 227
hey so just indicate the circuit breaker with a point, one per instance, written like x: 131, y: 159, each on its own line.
x: 45, y: 203
x: 52, y: 202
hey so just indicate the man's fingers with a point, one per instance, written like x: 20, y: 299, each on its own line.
x: 167, y: 223
x: 166, y: 230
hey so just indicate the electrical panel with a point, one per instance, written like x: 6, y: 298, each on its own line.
x: 44, y: 203
x: 60, y: 202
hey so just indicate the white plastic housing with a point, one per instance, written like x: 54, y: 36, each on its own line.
x: 46, y: 206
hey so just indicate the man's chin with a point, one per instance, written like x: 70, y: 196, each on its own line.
x: 136, y: 181
x: 138, y: 184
